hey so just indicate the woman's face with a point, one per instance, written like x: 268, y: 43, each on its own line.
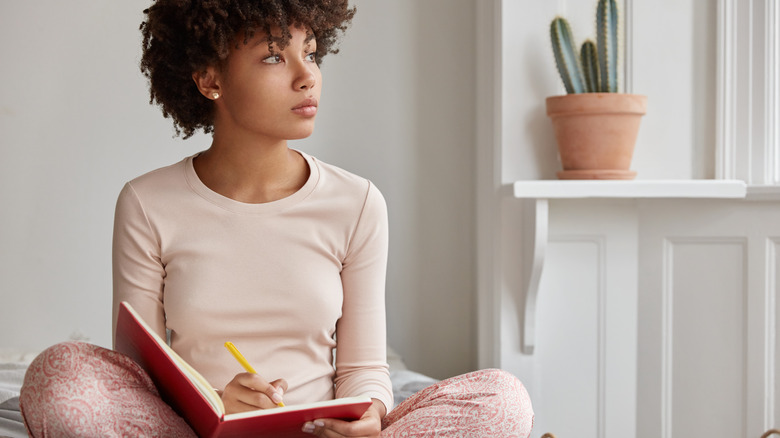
x: 270, y: 93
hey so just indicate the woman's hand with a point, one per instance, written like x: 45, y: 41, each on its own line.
x: 248, y: 392
x: 369, y: 425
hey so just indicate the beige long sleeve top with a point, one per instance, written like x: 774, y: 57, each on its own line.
x: 285, y: 281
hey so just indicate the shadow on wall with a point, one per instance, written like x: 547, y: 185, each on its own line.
x: 702, y: 90
x: 444, y: 112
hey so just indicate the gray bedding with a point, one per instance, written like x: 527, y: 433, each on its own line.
x: 11, y: 376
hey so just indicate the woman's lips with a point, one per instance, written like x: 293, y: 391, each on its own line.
x: 307, y: 108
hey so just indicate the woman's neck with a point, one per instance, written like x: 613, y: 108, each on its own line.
x: 253, y: 173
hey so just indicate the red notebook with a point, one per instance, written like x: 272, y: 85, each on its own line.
x: 192, y: 397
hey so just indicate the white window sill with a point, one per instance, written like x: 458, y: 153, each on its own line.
x: 572, y: 189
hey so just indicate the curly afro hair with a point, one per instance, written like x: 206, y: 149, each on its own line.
x: 181, y: 37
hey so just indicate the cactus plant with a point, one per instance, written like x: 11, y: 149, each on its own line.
x: 565, y: 57
x: 590, y: 66
x: 606, y: 36
x: 595, y: 126
x: 595, y: 70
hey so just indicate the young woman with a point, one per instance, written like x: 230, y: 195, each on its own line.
x: 252, y: 242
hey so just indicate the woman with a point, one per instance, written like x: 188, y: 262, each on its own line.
x: 252, y: 242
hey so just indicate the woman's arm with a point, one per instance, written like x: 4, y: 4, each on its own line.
x: 361, y: 357
x: 138, y: 271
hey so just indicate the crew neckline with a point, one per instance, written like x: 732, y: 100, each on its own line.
x: 235, y: 206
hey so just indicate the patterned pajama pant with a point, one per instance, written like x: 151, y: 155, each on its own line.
x: 81, y: 390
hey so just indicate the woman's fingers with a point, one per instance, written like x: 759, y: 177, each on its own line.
x: 280, y: 385
x: 248, y: 391
x: 258, y: 392
x: 369, y: 425
x: 330, y: 428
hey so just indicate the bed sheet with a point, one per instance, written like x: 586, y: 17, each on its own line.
x: 11, y: 376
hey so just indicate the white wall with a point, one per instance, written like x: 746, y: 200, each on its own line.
x: 397, y: 107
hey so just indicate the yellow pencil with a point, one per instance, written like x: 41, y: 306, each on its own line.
x: 242, y: 360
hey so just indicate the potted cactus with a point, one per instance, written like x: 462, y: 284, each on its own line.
x: 595, y: 126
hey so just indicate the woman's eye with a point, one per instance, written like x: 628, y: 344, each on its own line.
x: 273, y: 59
x: 311, y: 57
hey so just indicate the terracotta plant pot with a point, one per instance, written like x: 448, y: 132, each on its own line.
x: 596, y: 133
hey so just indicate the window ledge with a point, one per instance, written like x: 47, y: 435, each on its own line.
x: 571, y: 189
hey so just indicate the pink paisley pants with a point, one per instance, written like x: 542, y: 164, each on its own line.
x: 81, y: 390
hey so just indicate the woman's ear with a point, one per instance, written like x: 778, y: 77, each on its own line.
x: 208, y: 82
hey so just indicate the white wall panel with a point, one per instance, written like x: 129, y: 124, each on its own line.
x: 707, y: 325
x: 771, y: 400
x: 582, y: 373
x: 569, y: 372
x: 703, y: 357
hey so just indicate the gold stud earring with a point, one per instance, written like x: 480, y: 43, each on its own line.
x: 215, y: 95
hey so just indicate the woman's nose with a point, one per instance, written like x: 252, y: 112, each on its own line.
x: 306, y: 79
